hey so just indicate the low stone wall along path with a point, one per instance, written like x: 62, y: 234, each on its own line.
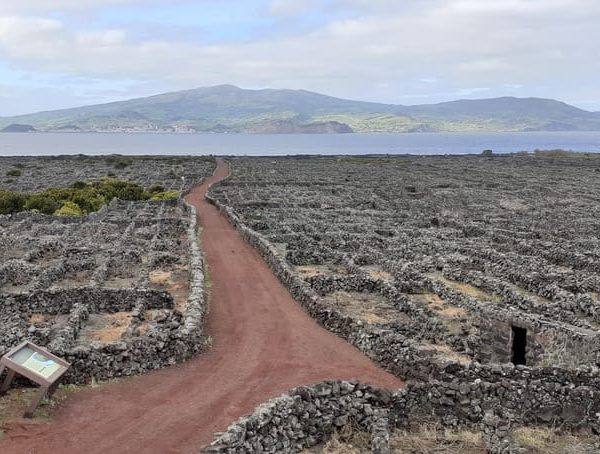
x: 263, y: 345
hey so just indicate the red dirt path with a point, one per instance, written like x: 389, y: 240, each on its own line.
x: 264, y: 344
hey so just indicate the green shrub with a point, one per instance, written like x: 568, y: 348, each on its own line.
x: 89, y: 200
x: 165, y: 195
x: 79, y: 185
x: 69, y: 209
x: 43, y: 202
x: 124, y: 190
x: 80, y: 199
x: 11, y: 202
x: 13, y: 173
x: 156, y: 188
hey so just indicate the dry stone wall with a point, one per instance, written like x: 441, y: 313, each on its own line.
x: 474, y: 246
x: 117, y: 292
x: 308, y: 415
x: 492, y: 394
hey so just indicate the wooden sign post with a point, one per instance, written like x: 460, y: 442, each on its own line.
x: 38, y: 365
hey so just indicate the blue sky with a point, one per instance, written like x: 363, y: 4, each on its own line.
x: 64, y: 53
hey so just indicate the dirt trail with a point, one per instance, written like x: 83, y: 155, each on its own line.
x: 264, y: 344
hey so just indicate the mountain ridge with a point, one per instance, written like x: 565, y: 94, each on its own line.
x: 227, y: 108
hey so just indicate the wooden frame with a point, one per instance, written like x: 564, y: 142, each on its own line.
x: 48, y: 384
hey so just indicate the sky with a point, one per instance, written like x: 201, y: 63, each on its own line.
x: 65, y: 53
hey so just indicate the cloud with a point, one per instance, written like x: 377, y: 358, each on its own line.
x: 28, y: 6
x: 380, y: 51
x: 292, y: 7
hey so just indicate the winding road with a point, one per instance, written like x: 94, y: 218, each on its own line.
x: 263, y: 344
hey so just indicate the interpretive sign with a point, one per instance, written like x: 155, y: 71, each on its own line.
x: 38, y: 365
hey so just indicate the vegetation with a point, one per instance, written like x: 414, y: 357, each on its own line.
x: 81, y: 198
x: 231, y: 109
x: 69, y: 209
x: 165, y: 195
x: 540, y: 440
x: 13, y: 173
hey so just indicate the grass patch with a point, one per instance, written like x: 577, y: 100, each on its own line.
x: 541, y: 440
x: 346, y: 441
x: 432, y: 439
x: 467, y: 289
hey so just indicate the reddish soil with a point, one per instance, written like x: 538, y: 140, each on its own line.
x: 264, y: 344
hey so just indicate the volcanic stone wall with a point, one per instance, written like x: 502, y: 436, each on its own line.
x: 494, y: 397
x: 35, y: 173
x: 474, y: 247
x: 307, y: 415
x: 393, y: 350
x: 170, y: 337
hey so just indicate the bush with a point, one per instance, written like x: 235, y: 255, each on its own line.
x: 89, y: 200
x: 124, y: 190
x: 11, y: 202
x: 69, y: 209
x: 165, y: 195
x: 80, y: 199
x: 44, y: 202
x: 79, y: 185
x: 156, y: 188
x: 13, y: 173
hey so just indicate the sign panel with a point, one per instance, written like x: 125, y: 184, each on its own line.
x: 35, y: 362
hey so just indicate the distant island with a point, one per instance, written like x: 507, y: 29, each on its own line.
x: 16, y: 127
x: 229, y: 109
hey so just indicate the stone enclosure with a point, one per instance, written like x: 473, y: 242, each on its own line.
x: 463, y: 272
x: 486, y: 259
x: 115, y: 293
x: 477, y: 279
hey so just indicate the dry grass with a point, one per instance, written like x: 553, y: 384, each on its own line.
x: 320, y: 270
x: 371, y: 308
x: 467, y: 289
x: 109, y: 327
x: 430, y: 439
x: 354, y: 443
x: 120, y: 282
x: 377, y: 273
x: 447, y: 352
x: 37, y: 319
x: 438, y: 305
x: 427, y: 440
x: 175, y: 282
x: 160, y: 277
x: 540, y: 440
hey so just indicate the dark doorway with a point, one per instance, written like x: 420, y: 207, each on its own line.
x: 519, y: 345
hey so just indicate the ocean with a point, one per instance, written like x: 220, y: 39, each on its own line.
x: 37, y: 144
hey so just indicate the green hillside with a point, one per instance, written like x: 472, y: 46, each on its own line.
x: 226, y: 108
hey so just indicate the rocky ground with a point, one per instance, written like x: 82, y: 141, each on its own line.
x: 111, y: 291
x: 449, y: 251
x: 463, y: 273
x: 37, y: 173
